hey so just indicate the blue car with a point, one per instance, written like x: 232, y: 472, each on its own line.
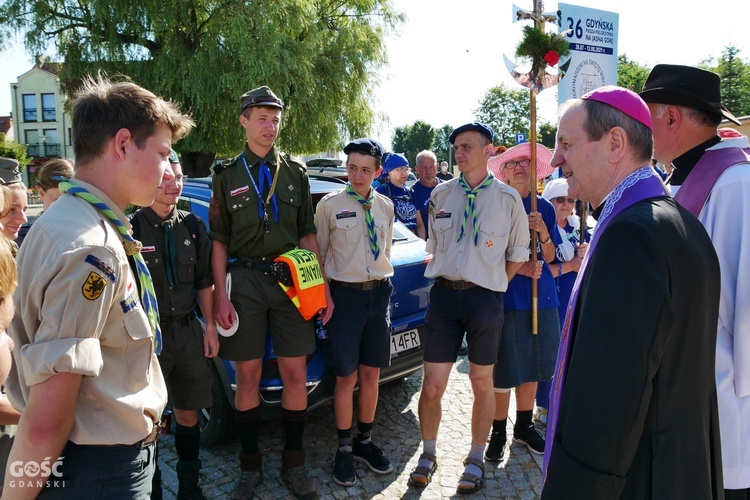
x: 408, y: 307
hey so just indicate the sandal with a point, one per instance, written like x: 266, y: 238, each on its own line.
x: 476, y: 481
x: 421, y: 476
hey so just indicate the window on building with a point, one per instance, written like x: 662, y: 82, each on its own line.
x: 32, y: 143
x: 29, y: 108
x: 48, y: 108
x: 51, y: 143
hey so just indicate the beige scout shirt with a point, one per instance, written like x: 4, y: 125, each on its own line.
x: 78, y: 311
x: 344, y: 242
x: 503, y: 235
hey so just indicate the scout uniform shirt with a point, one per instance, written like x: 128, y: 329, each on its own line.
x: 234, y: 213
x: 344, y: 242
x: 78, y: 311
x: 503, y: 235
x: 192, y: 263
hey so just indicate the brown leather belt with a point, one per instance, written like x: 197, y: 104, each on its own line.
x: 364, y: 285
x: 455, y: 284
x: 150, y: 438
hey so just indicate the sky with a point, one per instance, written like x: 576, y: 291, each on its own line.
x: 446, y: 55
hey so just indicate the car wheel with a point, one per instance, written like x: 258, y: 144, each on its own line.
x: 217, y: 422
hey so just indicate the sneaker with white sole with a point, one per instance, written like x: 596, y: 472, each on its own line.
x: 531, y: 437
x: 370, y: 455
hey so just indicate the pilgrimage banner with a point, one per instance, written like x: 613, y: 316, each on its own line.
x: 593, y: 50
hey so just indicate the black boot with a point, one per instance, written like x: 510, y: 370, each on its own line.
x: 188, y: 475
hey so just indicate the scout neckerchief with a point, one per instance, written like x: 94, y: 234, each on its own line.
x: 367, y: 205
x: 471, y: 210
x: 264, y: 180
x: 132, y: 247
x: 642, y: 184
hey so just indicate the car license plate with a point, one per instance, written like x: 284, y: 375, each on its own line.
x: 404, y: 341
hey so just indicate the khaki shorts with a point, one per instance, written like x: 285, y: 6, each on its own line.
x: 262, y: 306
x: 184, y: 367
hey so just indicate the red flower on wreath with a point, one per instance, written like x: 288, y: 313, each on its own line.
x: 551, y: 57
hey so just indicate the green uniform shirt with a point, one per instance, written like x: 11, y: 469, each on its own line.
x: 234, y: 216
x: 193, y: 265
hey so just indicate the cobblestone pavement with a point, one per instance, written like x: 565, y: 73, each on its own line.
x: 396, y: 432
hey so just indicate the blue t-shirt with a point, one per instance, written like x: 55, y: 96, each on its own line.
x: 518, y: 295
x: 421, y: 196
x: 403, y: 203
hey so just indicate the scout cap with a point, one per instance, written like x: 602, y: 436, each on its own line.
x: 173, y: 158
x: 365, y: 146
x: 262, y: 96
x: 393, y: 161
x: 9, y: 172
x: 686, y: 86
x: 623, y: 100
x: 475, y: 126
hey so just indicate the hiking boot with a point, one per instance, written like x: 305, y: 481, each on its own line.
x: 188, y: 486
x: 531, y: 437
x: 294, y: 475
x: 343, y: 468
x: 371, y: 455
x: 495, y: 451
x: 244, y: 488
x: 299, y: 484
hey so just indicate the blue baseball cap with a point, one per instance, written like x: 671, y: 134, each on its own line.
x: 475, y: 126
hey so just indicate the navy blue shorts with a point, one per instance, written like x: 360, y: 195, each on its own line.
x: 476, y: 311
x: 360, y: 328
x: 524, y: 357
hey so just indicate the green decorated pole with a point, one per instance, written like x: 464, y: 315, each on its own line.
x: 543, y: 50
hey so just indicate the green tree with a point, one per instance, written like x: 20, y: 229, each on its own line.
x: 735, y: 80
x: 441, y: 145
x: 506, y: 111
x: 630, y: 74
x: 411, y: 139
x: 12, y: 149
x: 322, y: 58
x: 546, y: 136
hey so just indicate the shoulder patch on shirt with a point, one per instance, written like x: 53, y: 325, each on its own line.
x: 443, y: 215
x: 130, y: 302
x: 102, y: 266
x: 93, y: 286
x: 345, y: 214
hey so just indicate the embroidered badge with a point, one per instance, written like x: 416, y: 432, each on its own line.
x: 186, y: 243
x: 94, y: 286
x: 489, y: 244
x: 148, y: 249
x: 291, y: 187
x: 443, y: 215
x: 345, y: 215
x: 130, y: 302
x: 240, y: 190
x: 100, y: 265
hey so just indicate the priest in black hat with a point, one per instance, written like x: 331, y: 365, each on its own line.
x: 712, y: 180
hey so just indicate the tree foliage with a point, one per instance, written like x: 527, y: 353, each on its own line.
x: 547, y: 135
x: 506, y: 111
x: 441, y: 145
x: 12, y: 149
x: 735, y: 80
x: 320, y: 56
x: 411, y: 139
x: 630, y: 74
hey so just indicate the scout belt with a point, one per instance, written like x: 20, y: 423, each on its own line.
x: 277, y: 270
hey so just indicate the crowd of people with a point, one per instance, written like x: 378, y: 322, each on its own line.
x: 630, y: 338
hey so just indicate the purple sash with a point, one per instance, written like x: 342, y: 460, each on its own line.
x: 695, y: 190
x: 642, y: 184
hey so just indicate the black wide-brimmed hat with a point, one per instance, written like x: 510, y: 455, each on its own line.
x: 686, y: 86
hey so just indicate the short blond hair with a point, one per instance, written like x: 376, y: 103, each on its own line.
x: 8, y: 269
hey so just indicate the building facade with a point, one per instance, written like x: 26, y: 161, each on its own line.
x: 39, y: 118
